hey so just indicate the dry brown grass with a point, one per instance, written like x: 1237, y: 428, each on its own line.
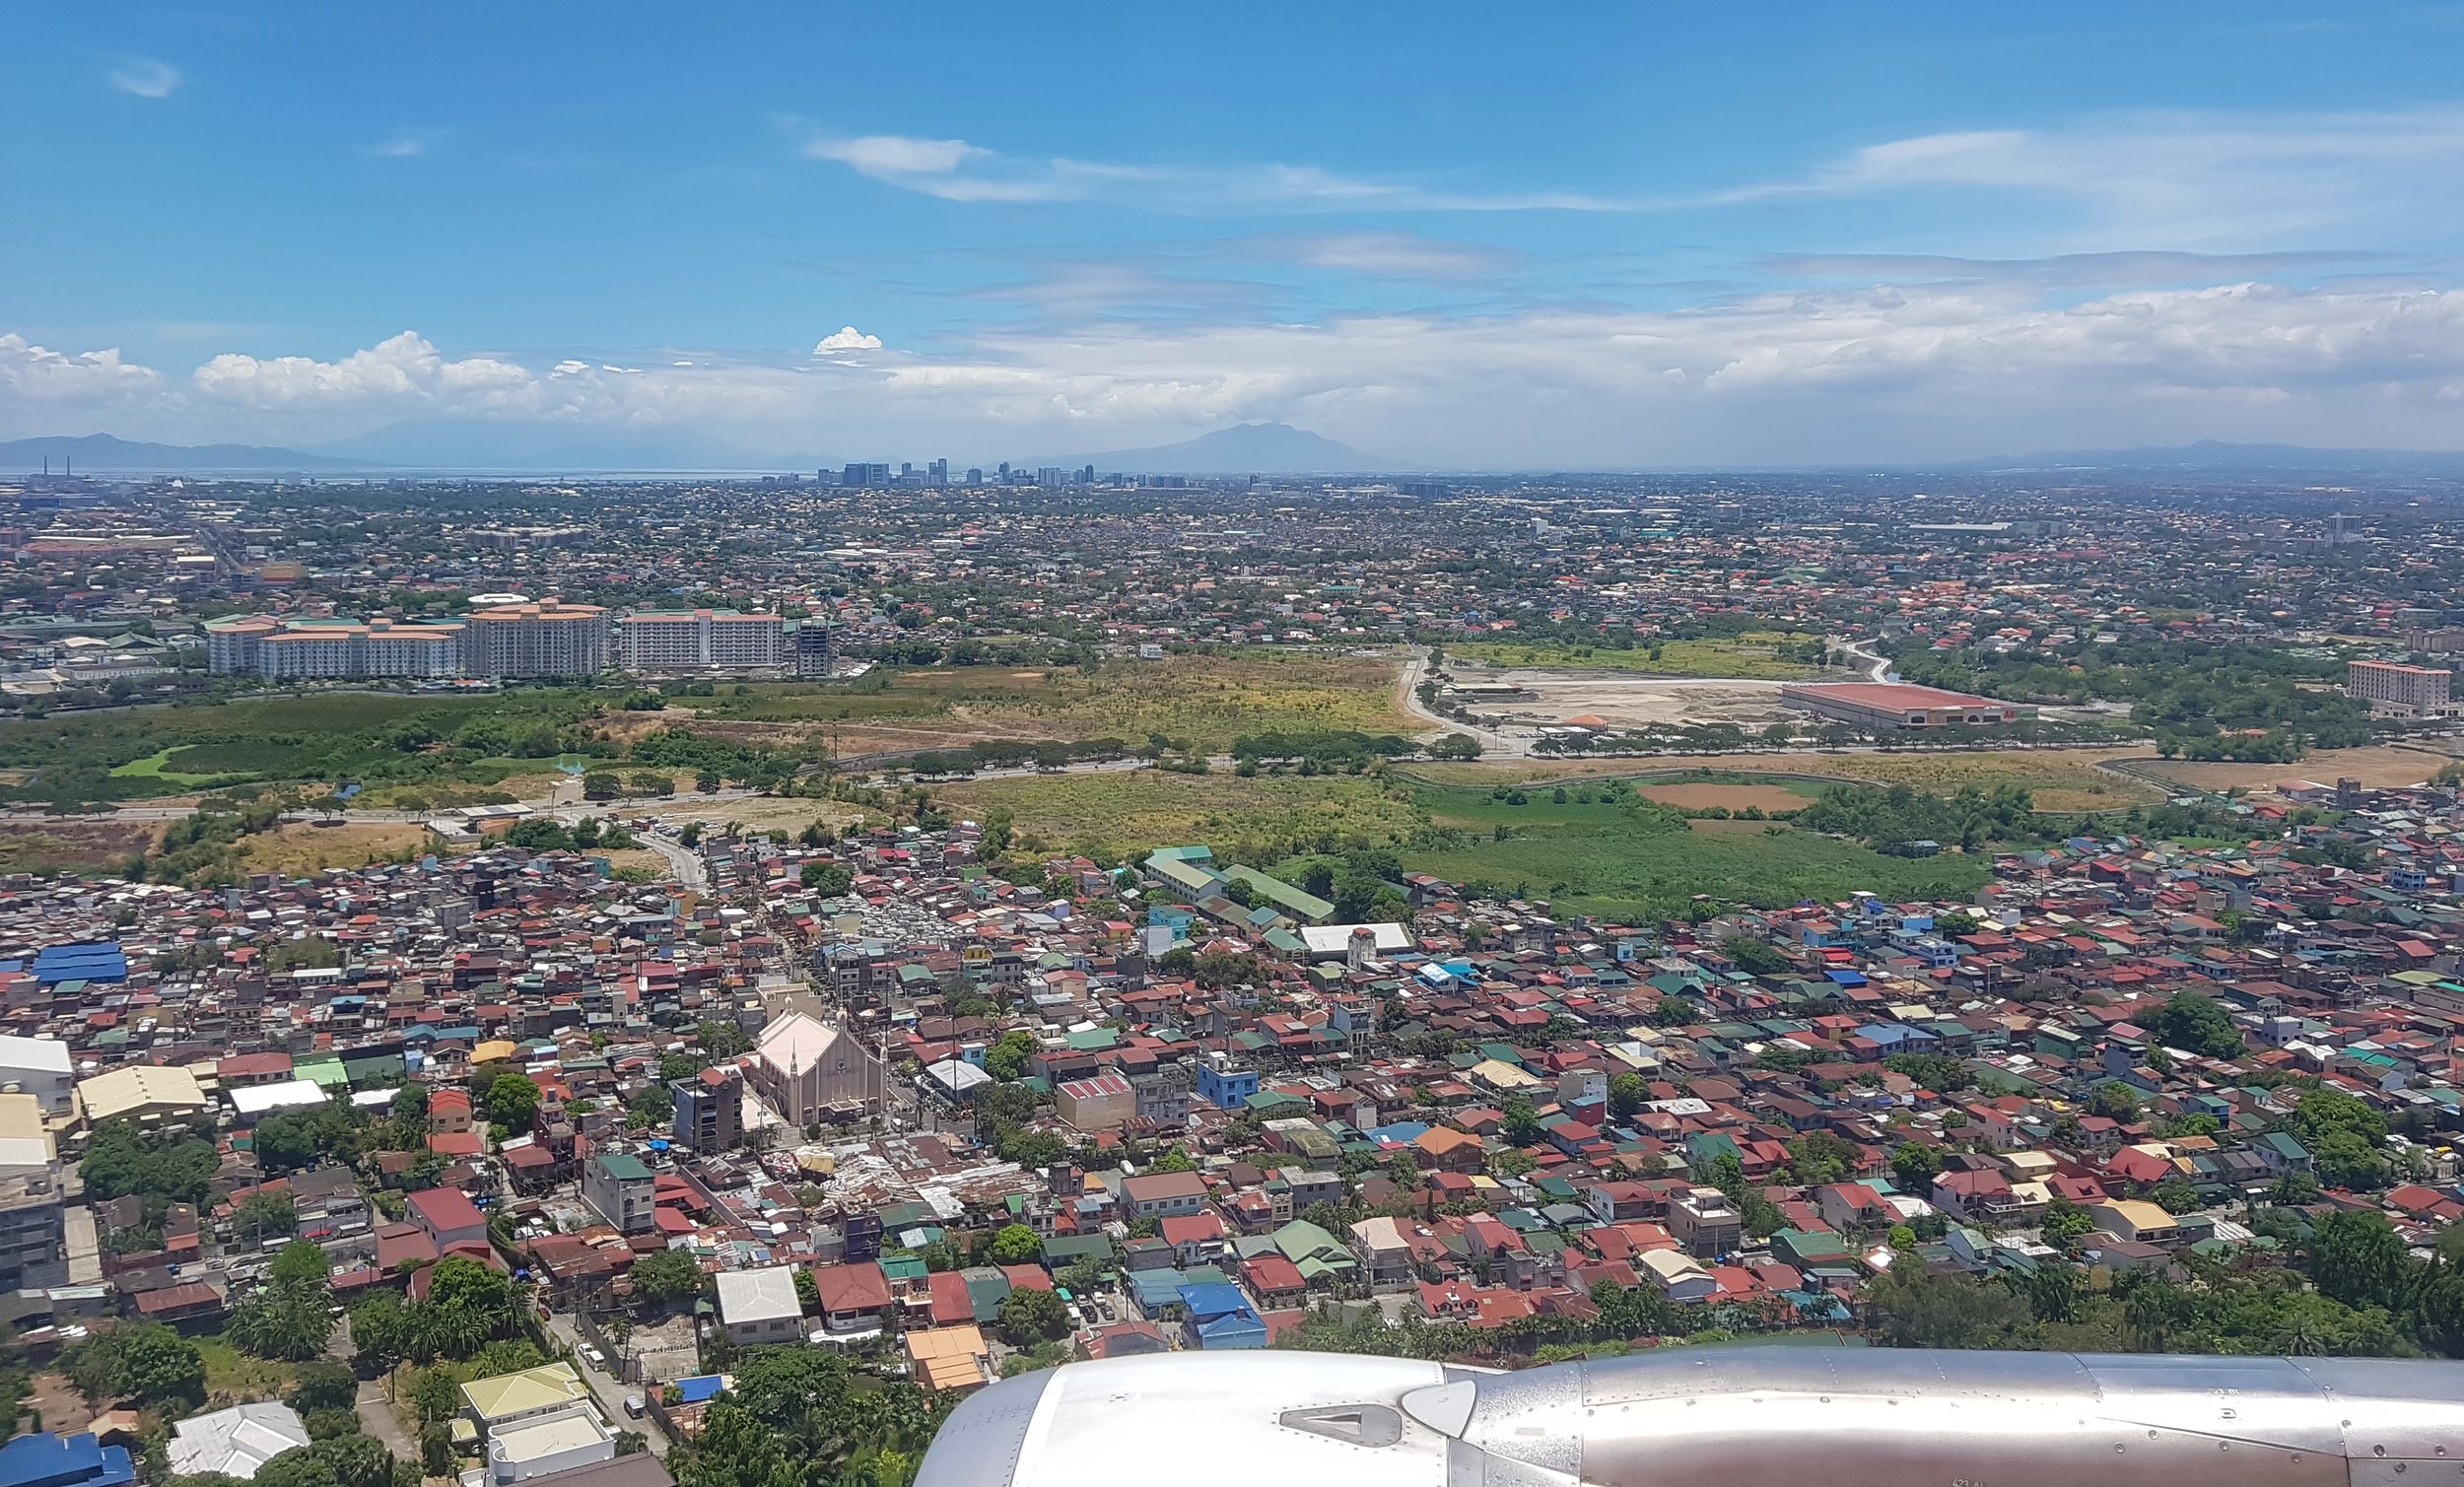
x: 2382, y: 766
x: 304, y: 847
x: 1735, y: 797
x: 73, y: 846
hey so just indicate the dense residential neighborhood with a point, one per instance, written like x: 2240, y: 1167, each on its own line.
x: 552, y: 1159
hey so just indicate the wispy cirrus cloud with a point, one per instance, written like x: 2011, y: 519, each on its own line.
x: 408, y: 144
x: 2175, y: 180
x: 955, y: 170
x: 146, y: 78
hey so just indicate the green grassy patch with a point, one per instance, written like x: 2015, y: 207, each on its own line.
x: 232, y: 1375
x: 1751, y: 656
x: 1617, y: 858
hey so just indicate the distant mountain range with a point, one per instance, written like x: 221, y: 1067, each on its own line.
x: 105, y: 454
x: 2216, y: 455
x: 1241, y: 449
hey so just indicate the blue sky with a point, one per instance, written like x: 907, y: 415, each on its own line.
x: 1458, y: 236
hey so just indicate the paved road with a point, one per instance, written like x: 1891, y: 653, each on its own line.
x: 1493, y: 743
x: 607, y: 1388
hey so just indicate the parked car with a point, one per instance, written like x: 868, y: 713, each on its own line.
x: 633, y: 1405
x: 594, y: 1357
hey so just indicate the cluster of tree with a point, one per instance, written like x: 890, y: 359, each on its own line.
x: 2192, y: 693
x: 828, y: 879
x: 1214, y: 969
x: 290, y: 1318
x: 756, y: 765
x: 147, y: 1362
x: 1337, y: 747
x: 169, y: 1164
x: 802, y: 1417
x: 2196, y: 1023
x: 546, y: 834
x: 468, y: 1306
x: 1897, y: 815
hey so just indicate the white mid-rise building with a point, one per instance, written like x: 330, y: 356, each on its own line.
x: 548, y: 638
x: 700, y: 639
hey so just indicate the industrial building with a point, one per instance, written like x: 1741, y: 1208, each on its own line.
x: 1886, y: 705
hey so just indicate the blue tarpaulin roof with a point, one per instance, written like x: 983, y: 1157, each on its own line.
x: 92, y: 961
x: 704, y: 1387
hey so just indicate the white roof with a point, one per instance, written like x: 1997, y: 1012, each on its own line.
x: 236, y: 1442
x: 265, y: 1098
x: 956, y: 1075
x: 757, y: 1294
x: 1335, y: 940
x: 47, y: 1055
x: 794, y: 1042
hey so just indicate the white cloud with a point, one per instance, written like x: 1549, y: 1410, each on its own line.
x: 954, y: 169
x: 1911, y: 373
x: 36, y: 374
x: 2176, y: 180
x: 146, y: 78
x: 845, y: 338
x: 408, y: 145
x: 403, y: 372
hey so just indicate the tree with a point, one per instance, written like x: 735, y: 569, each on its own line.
x: 261, y: 1215
x: 512, y: 1102
x: 300, y: 1266
x: 1913, y: 1167
x: 2066, y: 1224
x: 1522, y: 1127
x: 2176, y: 1196
x: 2359, y: 1260
x: 1822, y: 1156
x: 1174, y: 1158
x: 1007, y: 1058
x: 1015, y: 1245
x: 1627, y: 1094
x: 147, y: 1362
x: 172, y: 1166
x: 1032, y: 1314
x: 2197, y: 1022
x: 301, y: 1466
x: 323, y: 1386
x: 826, y: 879
x: 667, y: 1275
x: 275, y: 1324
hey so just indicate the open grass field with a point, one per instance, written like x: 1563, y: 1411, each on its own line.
x: 304, y: 848
x: 320, y: 737
x: 69, y: 846
x: 1200, y: 700
x: 1606, y: 857
x: 233, y: 1376
x: 1750, y: 655
x: 1735, y: 797
x: 2381, y: 766
x: 2061, y: 779
x: 1112, y: 815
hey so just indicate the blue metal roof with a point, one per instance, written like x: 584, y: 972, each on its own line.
x: 43, y: 1460
x: 92, y: 961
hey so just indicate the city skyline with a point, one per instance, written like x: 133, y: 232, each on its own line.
x: 1449, y: 238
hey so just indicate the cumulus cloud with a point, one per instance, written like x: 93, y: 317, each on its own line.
x: 403, y: 372
x: 845, y: 338
x: 955, y: 170
x: 146, y: 78
x: 1906, y: 372
x: 37, y: 375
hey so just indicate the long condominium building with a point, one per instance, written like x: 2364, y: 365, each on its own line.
x: 698, y: 640
x: 2391, y: 685
x: 260, y: 645
x: 548, y: 638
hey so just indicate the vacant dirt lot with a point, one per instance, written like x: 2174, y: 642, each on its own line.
x: 1736, y: 797
x: 1629, y: 702
x: 2381, y: 766
x: 302, y: 848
